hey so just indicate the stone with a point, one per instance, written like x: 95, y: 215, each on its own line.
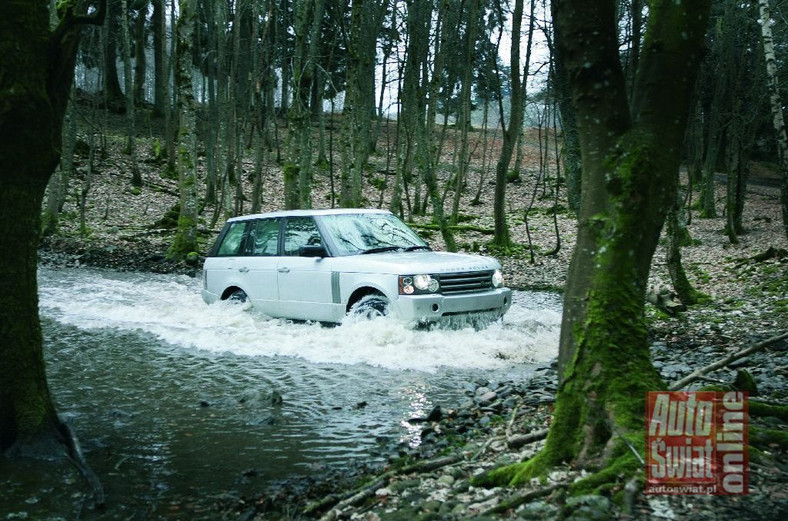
x: 446, y: 480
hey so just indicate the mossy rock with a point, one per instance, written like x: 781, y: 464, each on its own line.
x: 169, y: 220
x: 192, y: 258
x: 745, y: 382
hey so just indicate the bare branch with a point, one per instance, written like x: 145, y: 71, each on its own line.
x: 725, y: 361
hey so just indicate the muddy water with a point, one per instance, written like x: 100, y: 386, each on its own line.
x: 177, y: 403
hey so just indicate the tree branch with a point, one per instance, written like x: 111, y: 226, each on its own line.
x: 725, y: 361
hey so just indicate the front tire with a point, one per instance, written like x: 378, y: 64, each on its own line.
x: 370, y: 307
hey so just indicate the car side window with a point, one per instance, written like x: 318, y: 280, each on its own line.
x: 266, y: 237
x: 300, y: 231
x: 233, y: 240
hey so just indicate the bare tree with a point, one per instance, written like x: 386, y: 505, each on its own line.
x: 776, y: 104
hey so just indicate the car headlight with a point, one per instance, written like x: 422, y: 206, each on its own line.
x: 497, y: 279
x: 417, y: 284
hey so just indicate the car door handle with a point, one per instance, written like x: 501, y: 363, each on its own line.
x: 244, y: 269
x: 284, y: 270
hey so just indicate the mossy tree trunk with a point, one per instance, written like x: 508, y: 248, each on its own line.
x: 631, y: 153
x: 185, y: 241
x: 677, y: 233
x: 36, y: 73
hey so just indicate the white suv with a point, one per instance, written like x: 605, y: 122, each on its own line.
x: 322, y: 265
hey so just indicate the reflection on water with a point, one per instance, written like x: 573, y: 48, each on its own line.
x: 177, y: 402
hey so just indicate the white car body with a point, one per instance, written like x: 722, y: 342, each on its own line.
x: 319, y: 265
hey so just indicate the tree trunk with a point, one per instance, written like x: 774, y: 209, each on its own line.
x: 185, y: 241
x: 365, y: 23
x: 427, y: 154
x: 159, y: 52
x: 140, y: 61
x: 112, y: 91
x: 464, y: 119
x: 412, y: 108
x: 37, y: 74
x: 298, y: 168
x: 604, y: 363
x: 58, y: 184
x: 676, y: 232
x: 512, y: 133
x: 570, y: 150
x: 776, y: 104
x: 128, y: 80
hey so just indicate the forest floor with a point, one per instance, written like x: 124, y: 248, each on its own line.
x: 125, y: 228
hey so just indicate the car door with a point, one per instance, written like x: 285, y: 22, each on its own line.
x: 221, y: 270
x: 305, y: 283
x: 259, y: 268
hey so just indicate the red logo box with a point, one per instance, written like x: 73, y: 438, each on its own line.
x: 696, y: 443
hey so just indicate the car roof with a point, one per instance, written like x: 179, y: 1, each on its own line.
x: 303, y: 213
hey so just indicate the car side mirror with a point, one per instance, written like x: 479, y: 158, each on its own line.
x: 312, y: 250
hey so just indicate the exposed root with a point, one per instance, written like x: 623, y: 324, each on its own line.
x: 77, y: 457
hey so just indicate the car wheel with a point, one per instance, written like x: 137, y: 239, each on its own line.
x: 370, y: 307
x: 238, y: 297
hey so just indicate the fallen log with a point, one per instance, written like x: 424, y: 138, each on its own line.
x: 362, y: 493
x: 680, y: 384
x: 519, y: 499
x: 518, y: 440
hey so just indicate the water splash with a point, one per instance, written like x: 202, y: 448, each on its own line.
x: 170, y: 307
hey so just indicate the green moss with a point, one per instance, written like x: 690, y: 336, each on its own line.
x: 378, y: 183
x: 699, y: 273
x: 763, y: 410
x: 291, y: 171
x: 745, y: 382
x: 768, y: 439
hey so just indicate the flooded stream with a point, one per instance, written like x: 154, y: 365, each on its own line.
x: 173, y: 399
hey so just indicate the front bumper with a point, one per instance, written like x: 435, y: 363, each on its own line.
x: 431, y: 308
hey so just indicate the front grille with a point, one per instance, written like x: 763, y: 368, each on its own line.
x: 465, y: 282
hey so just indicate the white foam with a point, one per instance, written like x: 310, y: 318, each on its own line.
x: 171, y: 308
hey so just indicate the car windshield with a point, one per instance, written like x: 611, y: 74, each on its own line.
x: 355, y: 234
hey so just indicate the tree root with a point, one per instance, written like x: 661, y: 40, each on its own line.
x: 76, y: 456
x: 520, y: 499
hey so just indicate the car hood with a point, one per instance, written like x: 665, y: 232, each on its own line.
x: 421, y: 262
